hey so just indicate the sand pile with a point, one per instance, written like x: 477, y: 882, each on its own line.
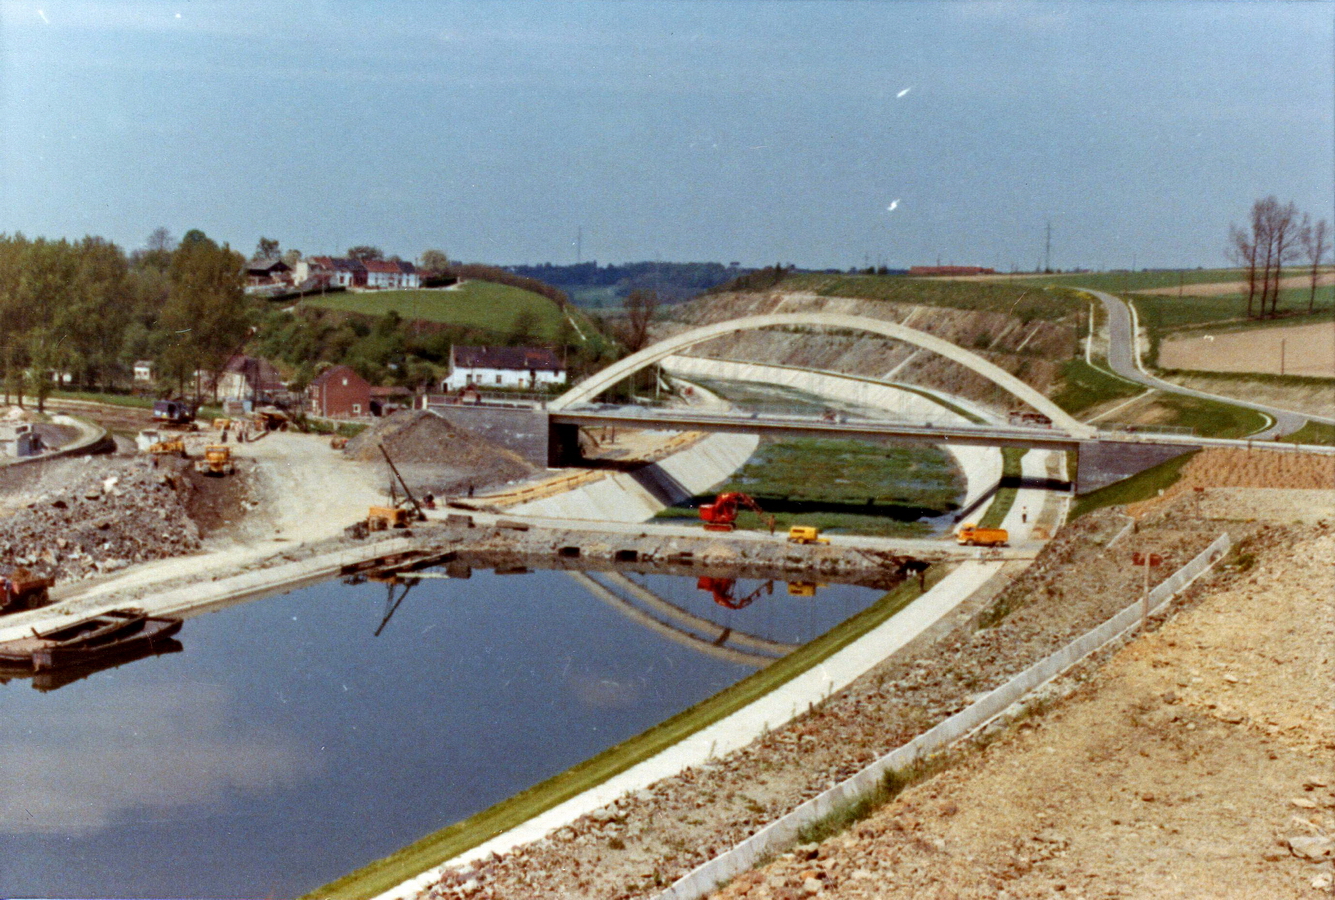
x: 416, y: 438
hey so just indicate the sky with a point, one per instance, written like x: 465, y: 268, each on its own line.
x: 823, y: 134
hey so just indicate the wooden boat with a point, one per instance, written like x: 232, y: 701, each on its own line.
x: 113, y: 633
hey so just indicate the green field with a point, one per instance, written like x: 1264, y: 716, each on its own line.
x: 1027, y: 301
x: 1085, y: 386
x: 1313, y: 433
x: 449, y: 842
x: 862, y: 487
x: 474, y: 304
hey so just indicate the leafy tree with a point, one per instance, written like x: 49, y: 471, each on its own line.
x: 205, y: 315
x: 267, y: 248
x: 364, y: 252
x: 435, y: 261
x: 524, y: 328
x: 633, y: 329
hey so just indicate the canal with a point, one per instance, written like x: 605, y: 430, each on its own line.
x: 287, y: 743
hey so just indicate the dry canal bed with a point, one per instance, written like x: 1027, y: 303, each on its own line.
x: 288, y: 742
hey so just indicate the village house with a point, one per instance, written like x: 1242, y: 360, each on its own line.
x: 266, y: 272
x: 143, y: 371
x: 339, y: 392
x: 391, y: 273
x: 503, y: 367
x: 336, y: 271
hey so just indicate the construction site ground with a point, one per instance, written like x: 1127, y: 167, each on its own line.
x: 1199, y: 762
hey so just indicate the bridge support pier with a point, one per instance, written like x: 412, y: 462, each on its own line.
x: 563, y: 445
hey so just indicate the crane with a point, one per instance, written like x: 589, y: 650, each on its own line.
x: 721, y: 589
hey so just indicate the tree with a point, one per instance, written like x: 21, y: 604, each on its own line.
x: 1241, y: 251
x: 205, y: 316
x: 524, y: 327
x: 1283, y: 232
x: 160, y: 241
x: 633, y: 329
x: 291, y: 257
x: 435, y: 261
x: 267, y: 248
x: 364, y: 252
x: 1315, y: 240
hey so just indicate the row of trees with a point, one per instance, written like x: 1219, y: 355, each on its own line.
x: 87, y: 310
x: 1276, y: 236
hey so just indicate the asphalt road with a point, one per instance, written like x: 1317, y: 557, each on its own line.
x: 1121, y: 357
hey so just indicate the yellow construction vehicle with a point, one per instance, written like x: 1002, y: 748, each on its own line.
x: 217, y: 461
x: 806, y: 534
x: 972, y: 535
x: 381, y: 518
x: 159, y: 445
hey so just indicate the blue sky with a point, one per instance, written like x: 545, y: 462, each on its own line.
x: 756, y: 132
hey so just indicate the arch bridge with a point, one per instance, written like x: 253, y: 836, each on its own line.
x: 565, y: 415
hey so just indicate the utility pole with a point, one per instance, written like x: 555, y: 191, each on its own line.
x: 1047, y: 249
x: 579, y: 245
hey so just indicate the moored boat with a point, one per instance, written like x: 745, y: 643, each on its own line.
x: 112, y: 633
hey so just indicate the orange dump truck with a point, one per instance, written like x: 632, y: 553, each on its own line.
x: 972, y: 535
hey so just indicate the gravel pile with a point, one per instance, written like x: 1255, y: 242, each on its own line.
x: 113, y: 514
x: 418, y: 437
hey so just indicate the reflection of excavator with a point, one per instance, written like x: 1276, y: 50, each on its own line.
x: 721, y: 515
x: 721, y: 588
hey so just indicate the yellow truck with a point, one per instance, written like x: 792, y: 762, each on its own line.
x: 973, y: 536
x: 217, y: 461
x: 806, y: 534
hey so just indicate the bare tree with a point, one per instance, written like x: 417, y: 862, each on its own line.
x: 267, y: 248
x: 161, y: 240
x: 1315, y: 240
x: 634, y: 327
x: 1283, y: 232
x: 1241, y: 251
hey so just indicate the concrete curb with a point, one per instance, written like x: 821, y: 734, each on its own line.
x: 93, y: 439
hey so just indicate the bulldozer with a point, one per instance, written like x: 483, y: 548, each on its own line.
x: 157, y: 444
x: 217, y: 461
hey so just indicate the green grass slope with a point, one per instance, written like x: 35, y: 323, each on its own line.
x: 474, y: 304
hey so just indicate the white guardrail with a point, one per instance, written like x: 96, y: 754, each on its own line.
x: 784, y: 832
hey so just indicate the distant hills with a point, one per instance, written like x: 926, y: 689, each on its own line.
x: 593, y: 286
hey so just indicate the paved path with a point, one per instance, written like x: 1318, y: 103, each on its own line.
x: 1123, y: 358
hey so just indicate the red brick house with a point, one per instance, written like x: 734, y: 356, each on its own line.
x: 339, y: 392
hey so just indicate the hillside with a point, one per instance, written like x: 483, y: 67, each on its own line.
x: 1031, y: 346
x: 480, y: 305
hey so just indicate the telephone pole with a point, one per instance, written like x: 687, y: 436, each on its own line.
x: 579, y: 244
x: 1047, y: 249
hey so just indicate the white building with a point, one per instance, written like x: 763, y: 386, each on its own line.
x: 503, y: 367
x: 143, y: 371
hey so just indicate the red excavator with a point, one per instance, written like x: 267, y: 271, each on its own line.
x: 721, y: 589
x: 721, y: 515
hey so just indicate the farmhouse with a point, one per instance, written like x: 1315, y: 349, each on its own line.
x: 391, y: 273
x: 266, y: 272
x: 339, y: 392
x: 521, y: 367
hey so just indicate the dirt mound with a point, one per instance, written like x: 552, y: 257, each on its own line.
x: 415, y: 437
x: 1237, y: 468
x: 110, y: 515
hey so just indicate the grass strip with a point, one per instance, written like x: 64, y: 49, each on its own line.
x: 1085, y: 385
x: 1129, y: 490
x: 449, y: 842
x: 1312, y: 433
x: 1004, y: 499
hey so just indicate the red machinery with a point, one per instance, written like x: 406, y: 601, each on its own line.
x: 721, y: 588
x: 721, y: 515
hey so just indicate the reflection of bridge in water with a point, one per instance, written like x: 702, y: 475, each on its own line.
x: 679, y: 626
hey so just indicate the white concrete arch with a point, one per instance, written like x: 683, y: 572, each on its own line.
x: 595, y: 384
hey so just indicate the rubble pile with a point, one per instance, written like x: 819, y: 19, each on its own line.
x: 111, y: 515
x: 417, y: 439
